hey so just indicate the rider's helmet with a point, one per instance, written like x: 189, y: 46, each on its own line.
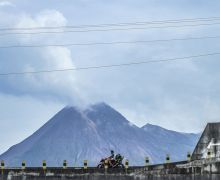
x: 112, y: 154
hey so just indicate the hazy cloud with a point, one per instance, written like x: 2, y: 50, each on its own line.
x: 6, y: 3
x: 180, y: 95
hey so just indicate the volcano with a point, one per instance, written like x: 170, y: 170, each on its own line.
x: 74, y: 135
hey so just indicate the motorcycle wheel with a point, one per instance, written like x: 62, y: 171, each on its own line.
x: 121, y: 166
x: 100, y: 166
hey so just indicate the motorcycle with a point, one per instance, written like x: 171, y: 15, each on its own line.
x: 112, y: 162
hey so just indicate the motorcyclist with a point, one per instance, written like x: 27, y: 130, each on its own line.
x: 118, y: 157
x: 112, y: 155
x: 111, y: 158
x: 113, y: 161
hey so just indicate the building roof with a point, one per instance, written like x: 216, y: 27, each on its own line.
x: 210, y: 136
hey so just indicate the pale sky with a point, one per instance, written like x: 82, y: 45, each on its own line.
x: 181, y: 95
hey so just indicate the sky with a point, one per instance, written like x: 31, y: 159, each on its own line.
x: 180, y: 95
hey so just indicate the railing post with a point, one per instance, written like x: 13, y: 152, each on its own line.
x: 167, y: 158
x: 147, y: 161
x: 106, y: 165
x: 188, y: 156
x: 64, y: 164
x: 209, y: 153
x: 23, y: 165
x: 126, y: 165
x: 2, y: 167
x: 44, y: 165
x: 85, y: 164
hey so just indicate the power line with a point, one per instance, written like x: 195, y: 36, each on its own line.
x: 110, y: 66
x: 108, y: 43
x: 116, y: 24
x: 104, y: 30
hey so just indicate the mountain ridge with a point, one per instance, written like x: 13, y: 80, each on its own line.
x: 76, y: 134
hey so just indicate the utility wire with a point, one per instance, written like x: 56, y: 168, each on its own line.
x: 108, y: 43
x: 117, y: 24
x: 104, y: 30
x: 111, y: 65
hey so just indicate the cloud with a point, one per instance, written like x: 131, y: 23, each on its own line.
x: 167, y: 94
x: 57, y: 85
x: 6, y: 3
x: 45, y: 18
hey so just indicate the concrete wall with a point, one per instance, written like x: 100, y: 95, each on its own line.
x: 115, y: 177
x: 209, y: 142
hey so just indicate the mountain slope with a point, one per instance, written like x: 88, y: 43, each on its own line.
x: 120, y: 134
x: 75, y: 135
x: 176, y: 144
x: 62, y: 137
